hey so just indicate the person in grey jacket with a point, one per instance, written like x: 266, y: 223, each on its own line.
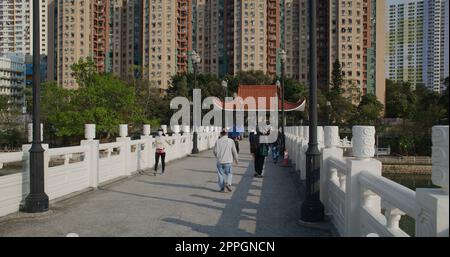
x: 225, y: 152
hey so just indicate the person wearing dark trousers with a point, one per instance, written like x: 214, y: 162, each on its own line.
x: 251, y: 138
x: 260, y: 151
x: 160, y: 152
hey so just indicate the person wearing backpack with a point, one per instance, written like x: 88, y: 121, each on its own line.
x: 260, y: 152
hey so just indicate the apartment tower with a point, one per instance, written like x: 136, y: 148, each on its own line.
x: 405, y: 40
x: 357, y: 41
x: 83, y: 31
x: 435, y: 67
x: 126, y: 37
x: 160, y: 41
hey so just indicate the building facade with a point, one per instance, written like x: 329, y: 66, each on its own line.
x: 250, y: 35
x: 160, y: 41
x: 405, y: 40
x: 16, y: 26
x: 12, y: 77
x: 356, y: 30
x: 126, y: 36
x: 83, y: 31
x: 434, y: 64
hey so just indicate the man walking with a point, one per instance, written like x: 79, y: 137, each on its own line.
x: 259, y: 150
x: 225, y: 152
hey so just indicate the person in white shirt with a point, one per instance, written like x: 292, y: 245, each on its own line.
x: 161, y: 142
x: 225, y: 152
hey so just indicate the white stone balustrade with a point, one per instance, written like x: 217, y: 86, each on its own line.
x: 74, y: 169
x: 359, y: 200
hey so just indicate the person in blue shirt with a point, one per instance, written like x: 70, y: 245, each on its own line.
x: 236, y: 136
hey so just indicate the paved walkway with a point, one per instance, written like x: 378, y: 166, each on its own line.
x: 184, y: 202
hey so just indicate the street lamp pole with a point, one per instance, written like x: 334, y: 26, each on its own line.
x: 225, y: 94
x: 37, y: 200
x: 283, y: 122
x: 195, y: 60
x: 312, y: 208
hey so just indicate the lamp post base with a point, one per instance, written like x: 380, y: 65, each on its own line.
x: 195, y: 147
x: 312, y: 211
x: 36, y: 203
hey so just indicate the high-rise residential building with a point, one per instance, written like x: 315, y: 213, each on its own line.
x: 83, y: 31
x: 16, y: 29
x: 209, y: 34
x: 126, y: 37
x: 275, y: 35
x: 160, y: 41
x: 12, y: 77
x: 434, y: 64
x: 446, y: 41
x: 292, y: 36
x: 16, y: 26
x: 357, y: 40
x: 52, y: 44
x: 297, y: 41
x: 250, y: 35
x: 213, y: 35
x: 405, y: 40
x: 167, y: 39
x: 184, y: 34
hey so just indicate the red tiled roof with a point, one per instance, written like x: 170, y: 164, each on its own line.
x: 261, y: 91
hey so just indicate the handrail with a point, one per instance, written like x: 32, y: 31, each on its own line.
x: 67, y: 150
x: 11, y: 157
x: 399, y: 196
x: 110, y: 145
x: 337, y: 163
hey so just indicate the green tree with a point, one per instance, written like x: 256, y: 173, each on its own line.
x: 368, y: 111
x: 337, y: 78
x: 83, y: 71
x: 4, y: 104
x: 401, y: 100
x: 101, y: 99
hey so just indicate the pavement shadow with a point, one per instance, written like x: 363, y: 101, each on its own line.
x: 175, y: 185
x: 163, y: 199
x: 234, y: 212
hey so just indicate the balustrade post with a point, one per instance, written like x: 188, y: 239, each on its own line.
x: 125, y: 149
x: 331, y: 149
x: 298, y: 152
x: 92, y: 155
x: 433, y: 204
x: 300, y: 131
x: 320, y: 137
x: 145, y: 155
x: 303, y: 149
x: 363, y: 151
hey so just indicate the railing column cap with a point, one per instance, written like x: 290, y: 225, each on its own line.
x: 440, y: 159
x: 363, y: 142
x: 123, y: 130
x: 331, y: 136
x: 89, y: 131
x: 147, y: 130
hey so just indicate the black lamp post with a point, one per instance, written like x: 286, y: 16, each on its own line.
x: 196, y: 59
x: 312, y: 208
x: 225, y: 94
x: 283, y: 122
x: 37, y: 200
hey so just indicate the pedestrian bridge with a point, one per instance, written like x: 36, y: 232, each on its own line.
x: 111, y: 190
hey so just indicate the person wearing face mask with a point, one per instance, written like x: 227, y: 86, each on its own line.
x: 161, y: 143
